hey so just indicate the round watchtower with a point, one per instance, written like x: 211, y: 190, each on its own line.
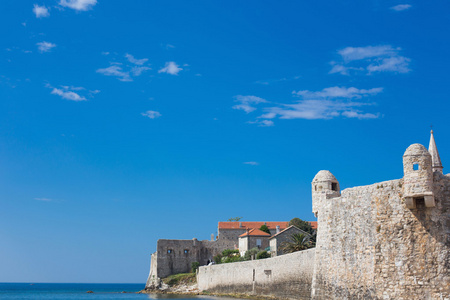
x: 324, y: 186
x: 418, y: 176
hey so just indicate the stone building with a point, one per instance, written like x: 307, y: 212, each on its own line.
x: 253, y: 238
x: 387, y: 240
x: 232, y: 230
x: 176, y: 256
x: 276, y: 241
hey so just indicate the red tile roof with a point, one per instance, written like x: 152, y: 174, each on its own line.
x: 251, y: 225
x: 255, y: 232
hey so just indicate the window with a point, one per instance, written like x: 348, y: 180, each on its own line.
x: 258, y: 242
x: 334, y: 186
x: 186, y: 251
x: 416, y: 167
x: 169, y: 251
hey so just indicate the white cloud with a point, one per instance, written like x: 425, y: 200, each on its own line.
x: 40, y: 11
x: 318, y: 109
x: 45, y: 46
x: 124, y: 71
x: 251, y: 163
x: 245, y: 102
x: 151, y: 114
x: 137, y: 71
x: 73, y: 88
x: 250, y: 99
x: 245, y: 107
x: 81, y: 5
x: 43, y: 199
x: 171, y: 68
x: 262, y: 123
x: 272, y: 81
x: 401, y: 7
x: 397, y: 64
x: 328, y: 103
x: 338, y: 92
x: 383, y: 58
x: 68, y: 95
x: 136, y: 61
x: 358, y: 115
x: 116, y: 71
x: 72, y: 93
x: 358, y: 53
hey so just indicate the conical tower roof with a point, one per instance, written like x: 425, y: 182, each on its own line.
x: 436, y: 160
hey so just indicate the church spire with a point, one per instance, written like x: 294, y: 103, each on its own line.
x: 436, y: 160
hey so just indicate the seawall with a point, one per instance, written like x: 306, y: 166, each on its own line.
x: 287, y: 276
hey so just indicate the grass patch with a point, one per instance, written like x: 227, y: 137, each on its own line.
x: 182, y: 278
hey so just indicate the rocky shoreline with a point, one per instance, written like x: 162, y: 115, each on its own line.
x: 181, y: 289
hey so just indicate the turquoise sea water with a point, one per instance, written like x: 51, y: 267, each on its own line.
x: 60, y: 291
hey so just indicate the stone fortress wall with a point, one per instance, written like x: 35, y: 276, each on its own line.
x: 388, y: 240
x: 286, y: 276
x: 176, y: 256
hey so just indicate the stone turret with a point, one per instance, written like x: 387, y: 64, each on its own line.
x: 436, y: 160
x: 324, y: 186
x: 418, y: 177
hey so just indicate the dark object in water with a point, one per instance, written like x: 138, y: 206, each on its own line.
x: 90, y: 292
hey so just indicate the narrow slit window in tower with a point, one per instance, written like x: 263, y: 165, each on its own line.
x: 416, y: 167
x: 334, y: 186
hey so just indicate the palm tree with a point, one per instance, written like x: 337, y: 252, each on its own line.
x: 298, y: 242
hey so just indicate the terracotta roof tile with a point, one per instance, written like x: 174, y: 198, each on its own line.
x: 251, y: 225
x: 255, y: 232
x: 313, y: 224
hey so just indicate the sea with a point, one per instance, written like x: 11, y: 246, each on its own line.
x: 62, y: 291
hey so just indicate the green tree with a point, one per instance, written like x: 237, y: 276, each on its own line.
x: 297, y: 242
x: 236, y: 219
x: 249, y: 253
x: 303, y: 225
x: 194, y: 266
x: 264, y: 228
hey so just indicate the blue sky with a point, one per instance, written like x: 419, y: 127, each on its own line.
x: 122, y: 122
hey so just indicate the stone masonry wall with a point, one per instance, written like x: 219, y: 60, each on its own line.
x: 370, y: 246
x: 288, y: 276
x: 182, y: 254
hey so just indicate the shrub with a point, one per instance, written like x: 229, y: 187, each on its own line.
x: 182, y: 278
x: 194, y: 266
x: 227, y: 256
x: 262, y: 254
x: 229, y: 252
x: 218, y: 259
x: 230, y: 259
